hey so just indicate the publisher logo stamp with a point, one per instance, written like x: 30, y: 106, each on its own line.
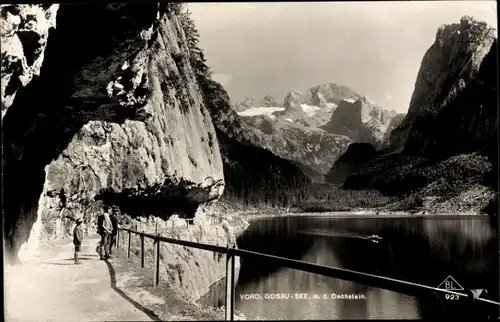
x: 450, y: 284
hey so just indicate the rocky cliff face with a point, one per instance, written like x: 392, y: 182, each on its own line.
x: 396, y: 120
x: 269, y: 101
x: 450, y: 69
x: 293, y: 107
x: 351, y: 161
x: 23, y: 38
x: 315, y: 148
x: 190, y: 272
x: 361, y: 120
x: 321, y: 95
x: 266, y: 101
x: 315, y: 106
x: 446, y: 147
x: 115, y: 114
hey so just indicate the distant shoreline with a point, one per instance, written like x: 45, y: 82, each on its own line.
x: 367, y: 215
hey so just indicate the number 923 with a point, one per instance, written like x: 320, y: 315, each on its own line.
x: 452, y: 297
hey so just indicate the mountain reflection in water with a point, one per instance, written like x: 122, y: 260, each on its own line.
x: 420, y: 250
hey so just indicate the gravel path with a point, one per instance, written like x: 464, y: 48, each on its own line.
x: 53, y: 289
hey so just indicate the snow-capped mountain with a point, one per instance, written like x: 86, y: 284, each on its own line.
x: 309, y: 128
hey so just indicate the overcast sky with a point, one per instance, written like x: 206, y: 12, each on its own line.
x: 376, y: 48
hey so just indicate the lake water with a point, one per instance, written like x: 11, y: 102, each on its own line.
x: 424, y: 250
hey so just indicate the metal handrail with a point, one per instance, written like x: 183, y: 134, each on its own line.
x: 395, y: 285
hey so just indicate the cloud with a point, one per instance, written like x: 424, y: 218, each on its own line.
x: 388, y: 97
x: 222, y: 78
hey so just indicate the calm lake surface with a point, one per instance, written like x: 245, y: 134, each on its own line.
x: 424, y: 250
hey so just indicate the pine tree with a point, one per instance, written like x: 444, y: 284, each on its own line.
x: 197, y: 57
x: 173, y: 7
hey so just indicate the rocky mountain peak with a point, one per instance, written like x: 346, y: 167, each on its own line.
x: 318, y: 99
x: 293, y: 98
x: 331, y: 93
x: 450, y: 64
x: 361, y: 120
x: 245, y: 104
x: 453, y: 60
x: 269, y: 101
x: 292, y: 104
x: 467, y: 30
x: 249, y: 102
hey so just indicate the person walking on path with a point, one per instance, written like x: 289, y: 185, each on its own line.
x: 100, y: 221
x: 104, y: 228
x: 107, y: 230
x: 77, y: 239
x: 114, y: 223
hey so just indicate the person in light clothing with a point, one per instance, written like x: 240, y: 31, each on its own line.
x: 105, y: 228
x: 100, y: 221
x: 77, y: 239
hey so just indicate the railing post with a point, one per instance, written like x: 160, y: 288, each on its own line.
x: 118, y: 241
x: 230, y: 296
x: 129, y: 239
x: 156, y: 262
x: 142, y: 250
x: 233, y: 295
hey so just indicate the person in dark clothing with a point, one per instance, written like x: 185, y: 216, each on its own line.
x: 114, y: 231
x: 77, y: 239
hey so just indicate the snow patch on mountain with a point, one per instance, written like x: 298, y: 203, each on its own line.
x: 255, y: 111
x: 309, y: 109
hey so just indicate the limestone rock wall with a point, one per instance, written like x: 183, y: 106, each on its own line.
x: 24, y: 30
x: 116, y: 115
x: 361, y: 120
x: 190, y: 271
x: 450, y: 66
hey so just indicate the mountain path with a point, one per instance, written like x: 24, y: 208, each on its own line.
x: 54, y: 289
